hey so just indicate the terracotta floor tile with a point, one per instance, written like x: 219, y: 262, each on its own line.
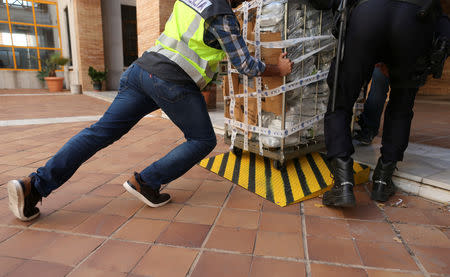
x: 279, y: 244
x: 332, y: 249
x: 163, y: 261
x: 262, y: 267
x: 423, y: 235
x: 371, y: 231
x: 385, y: 255
x: 185, y: 184
x: 445, y: 231
x: 3, y: 192
x: 381, y: 273
x: 68, y: 250
x: 271, y: 207
x: 434, y: 259
x: 26, y: 244
x: 57, y: 200
x: 6, y: 232
x: 62, y: 220
x: 87, y: 204
x: 323, y: 270
x: 32, y: 268
x: 8, y: 218
x: 108, y: 190
x: 407, y: 215
x: 196, y: 214
x: 208, y: 198
x: 367, y: 211
x: 438, y: 217
x: 117, y: 256
x: 221, y: 185
x: 196, y: 172
x: 179, y: 196
x: 239, y: 219
x: 315, y: 207
x: 184, y: 234
x: 222, y: 265
x: 412, y: 201
x: 243, y: 199
x: 142, y: 229
x: 120, y: 179
x: 167, y: 212
x: 9, y: 264
x: 85, y: 271
x: 79, y: 187
x: 232, y: 239
x: 122, y: 207
x: 100, y: 224
x: 327, y: 227
x: 280, y: 222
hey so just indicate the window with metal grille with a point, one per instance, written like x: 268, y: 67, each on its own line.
x: 29, y: 33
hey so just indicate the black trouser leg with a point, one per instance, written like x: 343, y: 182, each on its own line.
x: 361, y: 54
x: 397, y: 123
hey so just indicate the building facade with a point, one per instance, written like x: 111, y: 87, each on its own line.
x: 104, y: 34
x: 97, y: 33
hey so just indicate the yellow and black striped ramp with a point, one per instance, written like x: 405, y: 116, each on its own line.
x: 301, y: 179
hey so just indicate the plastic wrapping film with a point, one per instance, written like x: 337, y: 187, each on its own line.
x: 310, y: 46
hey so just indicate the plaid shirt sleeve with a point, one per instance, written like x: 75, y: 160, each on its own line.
x: 227, y: 32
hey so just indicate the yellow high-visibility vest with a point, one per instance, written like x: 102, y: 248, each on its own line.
x: 182, y: 41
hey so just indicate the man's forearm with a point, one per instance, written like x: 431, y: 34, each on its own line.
x: 271, y: 70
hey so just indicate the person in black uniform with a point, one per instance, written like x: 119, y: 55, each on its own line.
x: 388, y: 31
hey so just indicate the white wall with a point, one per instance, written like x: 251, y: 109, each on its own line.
x: 71, y: 73
x: 21, y: 79
x: 112, y: 38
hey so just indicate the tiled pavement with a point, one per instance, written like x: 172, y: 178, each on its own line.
x: 92, y: 227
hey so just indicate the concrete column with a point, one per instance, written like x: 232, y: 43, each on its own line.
x: 112, y: 28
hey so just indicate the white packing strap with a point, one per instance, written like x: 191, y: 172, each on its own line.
x: 245, y: 77
x: 287, y: 87
x: 245, y: 112
x: 258, y: 81
x: 304, y: 57
x: 276, y: 132
x: 232, y: 104
x: 255, y: 3
x: 288, y: 42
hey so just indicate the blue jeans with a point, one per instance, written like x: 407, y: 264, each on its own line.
x: 374, y: 105
x: 139, y: 94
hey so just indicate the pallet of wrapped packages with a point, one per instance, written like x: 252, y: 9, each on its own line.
x: 268, y: 113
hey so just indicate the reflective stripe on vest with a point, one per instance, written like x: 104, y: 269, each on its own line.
x: 186, y: 48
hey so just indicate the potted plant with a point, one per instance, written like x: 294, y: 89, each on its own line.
x: 48, y: 72
x: 97, y: 77
x: 209, y: 93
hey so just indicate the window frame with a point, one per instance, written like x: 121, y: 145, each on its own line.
x: 37, y: 47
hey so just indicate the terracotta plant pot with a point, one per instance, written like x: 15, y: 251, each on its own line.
x: 210, y: 98
x: 54, y: 84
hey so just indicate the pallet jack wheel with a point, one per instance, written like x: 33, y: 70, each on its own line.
x: 279, y: 165
x: 237, y: 151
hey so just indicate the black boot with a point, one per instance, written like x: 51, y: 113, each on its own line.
x: 383, y: 187
x: 341, y: 194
